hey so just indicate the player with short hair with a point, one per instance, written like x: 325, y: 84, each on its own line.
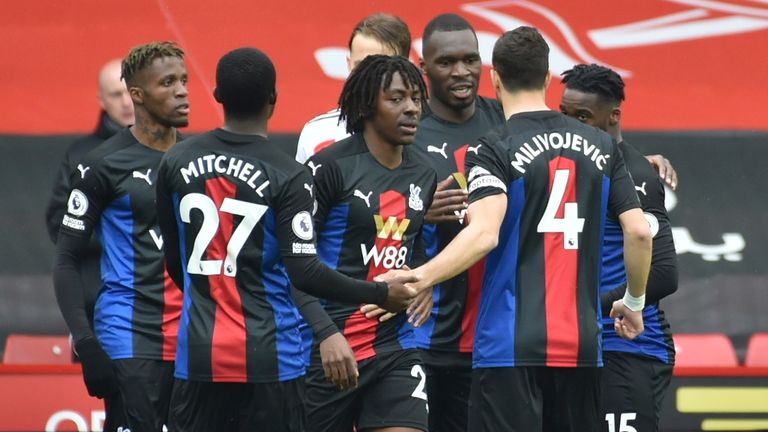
x: 372, y: 193
x: 455, y: 118
x: 236, y: 216
x: 375, y: 34
x: 116, y: 114
x: 539, y: 189
x: 637, y: 372
x: 132, y: 346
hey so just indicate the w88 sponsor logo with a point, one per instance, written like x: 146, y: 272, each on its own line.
x: 388, y: 257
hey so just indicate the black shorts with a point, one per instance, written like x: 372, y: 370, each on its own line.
x: 633, y: 390
x: 145, y: 387
x: 531, y: 398
x: 224, y: 406
x: 449, y: 380
x: 115, y: 419
x: 391, y: 392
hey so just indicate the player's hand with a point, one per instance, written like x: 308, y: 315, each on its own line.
x: 665, y: 169
x: 421, y: 308
x: 98, y: 374
x: 400, y: 295
x: 627, y: 323
x: 372, y: 311
x: 339, y: 361
x: 445, y: 202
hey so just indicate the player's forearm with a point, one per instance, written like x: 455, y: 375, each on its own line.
x: 468, y: 247
x: 314, y: 314
x: 308, y: 274
x: 68, y: 287
x: 637, y: 259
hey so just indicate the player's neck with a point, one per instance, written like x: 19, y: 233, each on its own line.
x: 522, y: 101
x: 615, y: 133
x: 153, y: 135
x: 391, y: 156
x: 450, y: 114
x: 245, y: 126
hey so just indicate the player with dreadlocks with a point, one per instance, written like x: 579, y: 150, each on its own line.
x: 132, y: 346
x: 372, y: 192
x: 637, y: 372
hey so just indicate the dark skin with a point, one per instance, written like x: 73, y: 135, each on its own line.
x: 394, y: 122
x: 594, y: 110
x: 451, y: 61
x: 392, y: 126
x: 161, y: 102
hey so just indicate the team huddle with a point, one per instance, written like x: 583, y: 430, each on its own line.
x: 432, y: 260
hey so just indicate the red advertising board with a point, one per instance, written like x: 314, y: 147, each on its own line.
x: 689, y: 64
x: 47, y: 398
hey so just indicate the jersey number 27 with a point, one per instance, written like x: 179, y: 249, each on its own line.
x: 251, y: 214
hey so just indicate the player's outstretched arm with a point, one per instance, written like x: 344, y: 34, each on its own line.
x: 480, y: 236
x: 628, y: 312
x: 308, y: 274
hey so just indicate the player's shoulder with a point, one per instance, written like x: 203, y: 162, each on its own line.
x: 325, y: 117
x: 490, y: 107
x: 101, y: 154
x: 350, y: 146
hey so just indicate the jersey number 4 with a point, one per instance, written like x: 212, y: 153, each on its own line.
x: 251, y: 214
x: 570, y: 225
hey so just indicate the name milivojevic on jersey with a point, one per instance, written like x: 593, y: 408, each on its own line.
x: 560, y: 178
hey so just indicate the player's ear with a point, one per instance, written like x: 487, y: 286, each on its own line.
x: 216, y: 94
x: 547, y: 80
x: 137, y: 95
x: 273, y: 97
x: 615, y: 116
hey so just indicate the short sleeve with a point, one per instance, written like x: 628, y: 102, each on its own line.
x: 486, y: 171
x: 623, y: 196
x: 293, y: 214
x: 328, y: 182
x: 87, y: 199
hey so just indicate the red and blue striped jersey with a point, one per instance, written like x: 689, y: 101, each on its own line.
x: 233, y: 206
x: 656, y: 340
x: 448, y: 334
x: 539, y: 304
x: 369, y: 220
x: 138, y: 307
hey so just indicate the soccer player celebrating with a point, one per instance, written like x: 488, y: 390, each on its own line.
x: 539, y: 190
x: 372, y: 195
x: 137, y: 311
x: 637, y: 372
x: 375, y: 34
x: 236, y: 216
x: 456, y: 117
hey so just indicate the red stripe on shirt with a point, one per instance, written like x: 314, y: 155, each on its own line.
x: 475, y: 276
x: 561, y: 283
x: 172, y: 300
x: 228, y: 356
x: 359, y: 330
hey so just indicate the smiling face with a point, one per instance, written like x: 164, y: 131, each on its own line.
x: 396, y: 117
x: 452, y: 64
x: 162, y: 91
